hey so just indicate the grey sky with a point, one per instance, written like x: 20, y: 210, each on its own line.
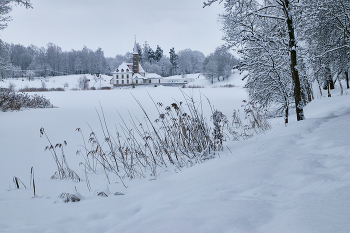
x: 112, y: 24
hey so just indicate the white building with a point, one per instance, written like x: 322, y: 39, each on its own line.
x: 134, y: 74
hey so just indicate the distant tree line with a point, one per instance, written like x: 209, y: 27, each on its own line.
x: 18, y: 60
x: 32, y: 61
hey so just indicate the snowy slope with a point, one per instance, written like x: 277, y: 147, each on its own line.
x: 291, y: 179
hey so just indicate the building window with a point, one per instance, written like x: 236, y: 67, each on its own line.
x: 117, y: 76
x: 127, y: 76
x: 127, y: 82
x: 122, y: 75
x: 150, y: 81
x: 117, y: 81
x: 122, y: 70
x: 122, y: 81
x: 159, y: 80
x: 137, y: 81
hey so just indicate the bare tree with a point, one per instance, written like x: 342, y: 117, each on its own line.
x: 219, y: 64
x: 190, y: 62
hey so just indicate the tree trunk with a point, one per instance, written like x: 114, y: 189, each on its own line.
x: 286, y: 115
x: 331, y: 83
x: 293, y: 57
x: 347, y: 79
x: 310, y: 95
x: 341, y: 86
x: 319, y: 87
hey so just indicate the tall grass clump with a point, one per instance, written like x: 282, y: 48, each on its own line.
x: 179, y: 137
x: 18, y: 182
x: 63, y: 170
x: 255, y: 122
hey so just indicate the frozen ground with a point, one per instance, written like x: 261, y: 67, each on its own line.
x: 291, y: 179
x: 56, y: 81
x: 72, y: 81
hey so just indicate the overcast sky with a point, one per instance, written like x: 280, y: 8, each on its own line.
x: 112, y: 24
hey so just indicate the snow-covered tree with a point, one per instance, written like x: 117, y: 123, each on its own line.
x: 6, y: 7
x: 325, y: 28
x: 30, y: 75
x: 190, y: 61
x: 145, y: 52
x: 219, y: 64
x: 139, y: 49
x: 83, y: 83
x: 78, y: 65
x: 243, y: 18
x: 5, y: 62
x: 210, y: 70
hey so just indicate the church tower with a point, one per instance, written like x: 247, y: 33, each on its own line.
x: 135, y: 59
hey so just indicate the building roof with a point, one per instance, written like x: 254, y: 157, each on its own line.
x: 138, y: 76
x: 152, y: 75
x: 136, y: 51
x: 177, y: 77
x: 127, y: 66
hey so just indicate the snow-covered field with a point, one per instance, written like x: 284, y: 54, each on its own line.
x: 56, y: 81
x: 294, y: 178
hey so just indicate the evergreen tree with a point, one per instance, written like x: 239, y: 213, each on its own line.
x: 151, y: 55
x: 158, y: 54
x: 145, y: 52
x: 139, y: 50
x: 174, y: 61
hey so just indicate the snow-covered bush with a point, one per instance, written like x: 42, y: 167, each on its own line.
x: 83, y: 83
x: 15, y: 101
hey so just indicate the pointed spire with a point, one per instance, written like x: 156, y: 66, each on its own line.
x: 136, y: 51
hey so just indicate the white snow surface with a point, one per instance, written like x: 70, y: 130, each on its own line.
x: 294, y: 178
x: 56, y: 81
